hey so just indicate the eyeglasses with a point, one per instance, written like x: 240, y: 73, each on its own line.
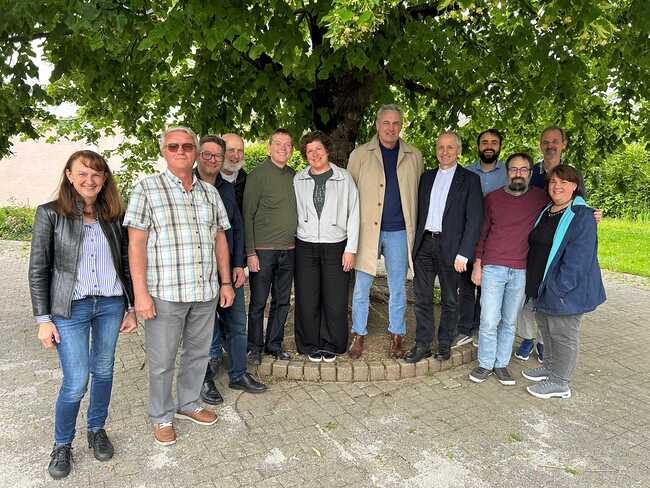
x: 174, y: 147
x: 208, y: 156
x: 523, y: 171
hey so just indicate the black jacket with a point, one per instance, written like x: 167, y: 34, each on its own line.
x: 56, y: 243
x: 240, y: 184
x: 462, y: 218
x: 234, y: 235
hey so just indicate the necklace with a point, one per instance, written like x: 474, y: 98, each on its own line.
x: 558, y: 212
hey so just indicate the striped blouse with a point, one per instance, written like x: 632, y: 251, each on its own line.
x: 96, y: 275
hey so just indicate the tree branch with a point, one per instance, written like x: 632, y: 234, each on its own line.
x: 27, y: 38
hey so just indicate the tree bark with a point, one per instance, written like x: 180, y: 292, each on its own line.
x: 344, y: 101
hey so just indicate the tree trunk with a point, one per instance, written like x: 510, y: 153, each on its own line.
x: 345, y: 102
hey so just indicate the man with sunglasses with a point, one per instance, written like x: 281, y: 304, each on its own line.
x: 230, y: 322
x: 177, y: 226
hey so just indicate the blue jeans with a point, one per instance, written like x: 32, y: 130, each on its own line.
x: 230, y: 326
x: 87, y: 347
x: 394, y: 247
x: 502, y: 296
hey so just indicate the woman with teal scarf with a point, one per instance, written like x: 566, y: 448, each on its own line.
x: 563, y: 278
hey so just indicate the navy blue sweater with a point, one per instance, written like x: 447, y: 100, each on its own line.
x: 392, y: 216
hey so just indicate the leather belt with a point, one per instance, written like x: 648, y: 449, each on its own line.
x: 432, y: 234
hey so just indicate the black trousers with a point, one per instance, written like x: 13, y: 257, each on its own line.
x: 322, y: 290
x: 275, y: 276
x: 469, y: 303
x: 428, y: 264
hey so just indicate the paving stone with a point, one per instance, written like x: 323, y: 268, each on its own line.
x: 456, y: 358
x: 444, y: 365
x: 280, y: 368
x: 312, y: 371
x: 359, y: 371
x: 407, y: 370
x: 344, y: 371
x: 377, y: 371
x: 434, y: 365
x: 294, y: 370
x: 328, y: 371
x: 392, y: 369
x: 266, y: 368
x: 421, y: 367
x: 467, y: 354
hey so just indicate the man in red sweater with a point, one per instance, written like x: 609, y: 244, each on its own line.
x: 500, y: 265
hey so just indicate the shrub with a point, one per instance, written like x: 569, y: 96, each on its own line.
x: 16, y: 223
x: 620, y: 185
x: 256, y: 154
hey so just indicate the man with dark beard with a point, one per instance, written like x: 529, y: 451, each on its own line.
x: 492, y: 173
x: 500, y: 265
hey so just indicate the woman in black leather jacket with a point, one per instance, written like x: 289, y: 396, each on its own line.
x: 81, y: 288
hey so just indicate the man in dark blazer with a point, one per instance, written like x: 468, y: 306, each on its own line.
x: 450, y: 212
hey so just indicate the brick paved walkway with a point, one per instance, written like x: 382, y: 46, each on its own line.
x: 439, y: 430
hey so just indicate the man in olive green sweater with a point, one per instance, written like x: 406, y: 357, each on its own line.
x: 270, y: 222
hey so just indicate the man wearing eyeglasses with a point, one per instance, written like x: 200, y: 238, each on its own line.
x: 177, y: 226
x: 270, y: 224
x: 229, y: 322
x: 500, y: 266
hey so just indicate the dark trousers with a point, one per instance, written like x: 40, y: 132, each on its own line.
x: 469, y: 303
x: 322, y: 289
x: 275, y: 276
x: 428, y: 264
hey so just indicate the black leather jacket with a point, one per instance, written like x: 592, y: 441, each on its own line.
x: 56, y: 243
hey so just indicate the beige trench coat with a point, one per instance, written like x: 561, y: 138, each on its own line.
x: 367, y: 170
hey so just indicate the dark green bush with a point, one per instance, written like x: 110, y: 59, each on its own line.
x: 256, y: 154
x: 16, y: 223
x: 620, y: 185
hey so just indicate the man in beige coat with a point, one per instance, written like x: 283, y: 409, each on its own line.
x: 387, y: 171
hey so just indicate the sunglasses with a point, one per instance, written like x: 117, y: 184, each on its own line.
x: 174, y: 147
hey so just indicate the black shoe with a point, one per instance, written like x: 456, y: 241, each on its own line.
x: 417, y: 353
x: 248, y: 384
x: 443, y: 353
x: 61, y: 461
x: 280, y: 355
x: 328, y: 357
x: 100, y: 444
x: 315, y: 357
x: 255, y: 357
x: 210, y: 394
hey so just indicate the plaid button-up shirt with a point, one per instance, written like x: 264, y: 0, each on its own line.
x: 181, y: 263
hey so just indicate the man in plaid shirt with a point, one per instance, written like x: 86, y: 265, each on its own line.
x: 177, y: 226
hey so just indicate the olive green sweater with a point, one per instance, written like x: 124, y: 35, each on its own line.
x: 270, y: 215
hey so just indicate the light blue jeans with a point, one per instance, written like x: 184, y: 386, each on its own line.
x: 502, y: 296
x: 394, y: 247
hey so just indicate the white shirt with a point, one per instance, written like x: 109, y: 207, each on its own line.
x: 438, y: 199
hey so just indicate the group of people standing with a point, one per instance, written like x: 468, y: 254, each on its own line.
x: 176, y: 258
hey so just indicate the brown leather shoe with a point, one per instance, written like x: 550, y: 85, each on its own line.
x: 395, y: 346
x: 164, y: 434
x: 199, y: 416
x: 356, y: 346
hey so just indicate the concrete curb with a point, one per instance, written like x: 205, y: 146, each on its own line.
x: 348, y: 371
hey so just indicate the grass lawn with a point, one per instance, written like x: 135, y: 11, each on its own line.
x: 624, y: 246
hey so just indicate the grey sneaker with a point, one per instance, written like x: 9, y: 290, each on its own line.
x: 535, y: 374
x: 504, y: 376
x: 461, y: 340
x: 479, y: 375
x: 549, y: 389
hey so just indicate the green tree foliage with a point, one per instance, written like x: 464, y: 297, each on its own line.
x: 328, y: 64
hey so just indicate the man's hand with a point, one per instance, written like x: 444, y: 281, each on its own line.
x: 253, y: 263
x: 130, y: 323
x: 144, y: 307
x: 598, y: 215
x: 476, y: 274
x: 48, y: 335
x: 460, y: 265
x: 226, y: 296
x: 239, y: 277
x: 348, y: 261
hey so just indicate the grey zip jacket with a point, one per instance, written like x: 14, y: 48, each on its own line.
x: 340, y: 216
